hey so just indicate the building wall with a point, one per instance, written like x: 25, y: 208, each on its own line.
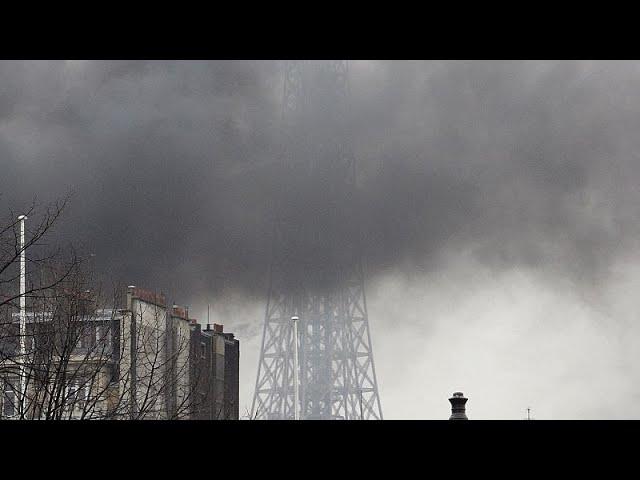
x: 216, y: 364
x: 158, y: 357
x: 218, y: 376
x: 61, y: 383
x: 231, y: 378
x: 144, y: 335
x: 179, y: 351
x: 208, y: 363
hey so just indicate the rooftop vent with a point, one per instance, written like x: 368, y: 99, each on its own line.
x: 458, y: 411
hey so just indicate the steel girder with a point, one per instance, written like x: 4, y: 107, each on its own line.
x: 337, y: 372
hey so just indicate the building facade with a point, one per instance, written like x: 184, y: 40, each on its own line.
x: 147, y: 360
x: 215, y: 361
x: 231, y: 376
x: 69, y: 365
x: 160, y: 384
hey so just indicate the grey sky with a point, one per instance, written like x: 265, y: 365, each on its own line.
x: 499, y: 201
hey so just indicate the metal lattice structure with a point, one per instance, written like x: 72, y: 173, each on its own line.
x: 316, y: 269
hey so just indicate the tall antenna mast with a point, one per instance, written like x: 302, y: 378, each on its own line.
x: 337, y: 372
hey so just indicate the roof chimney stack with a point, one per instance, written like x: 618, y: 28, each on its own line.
x: 458, y: 402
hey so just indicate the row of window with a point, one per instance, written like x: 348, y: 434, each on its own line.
x: 9, y: 401
x: 98, y: 337
x: 75, y: 396
x: 102, y: 338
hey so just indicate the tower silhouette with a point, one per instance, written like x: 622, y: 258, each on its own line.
x: 316, y: 269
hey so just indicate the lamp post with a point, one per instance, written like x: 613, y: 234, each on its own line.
x: 23, y: 315
x: 296, y: 405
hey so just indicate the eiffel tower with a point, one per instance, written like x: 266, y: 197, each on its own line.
x: 316, y: 270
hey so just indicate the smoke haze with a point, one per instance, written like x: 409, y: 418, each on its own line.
x: 498, y: 201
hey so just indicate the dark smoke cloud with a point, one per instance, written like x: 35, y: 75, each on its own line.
x: 177, y: 166
x: 525, y: 163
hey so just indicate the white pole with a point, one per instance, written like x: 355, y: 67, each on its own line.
x: 296, y: 402
x: 23, y: 316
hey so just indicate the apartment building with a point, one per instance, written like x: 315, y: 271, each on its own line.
x: 157, y: 356
x: 69, y: 364
x: 148, y: 360
x: 215, y: 360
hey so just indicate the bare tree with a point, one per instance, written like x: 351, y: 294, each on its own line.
x: 38, y: 257
x: 247, y: 414
x: 90, y: 354
x: 87, y: 360
x: 160, y: 382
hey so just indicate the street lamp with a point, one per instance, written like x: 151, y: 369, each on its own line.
x: 296, y: 406
x: 23, y: 314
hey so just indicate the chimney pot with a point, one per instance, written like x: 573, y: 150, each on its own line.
x: 458, y: 409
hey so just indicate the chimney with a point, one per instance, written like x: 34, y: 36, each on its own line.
x: 458, y: 402
x: 218, y: 328
x: 131, y: 291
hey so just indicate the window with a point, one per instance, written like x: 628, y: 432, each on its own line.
x: 103, y: 337
x: 9, y: 406
x: 203, y: 349
x: 81, y: 395
x: 76, y: 395
x: 72, y: 389
x: 86, y: 335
